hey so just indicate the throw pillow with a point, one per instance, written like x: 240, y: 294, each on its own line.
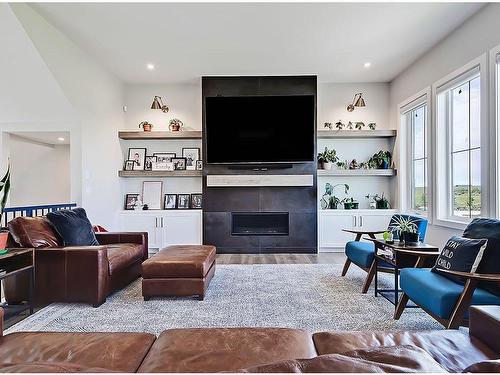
x: 73, y: 226
x: 33, y: 232
x: 490, y: 229
x: 460, y: 254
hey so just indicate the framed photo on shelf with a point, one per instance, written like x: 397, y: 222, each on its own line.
x: 179, y: 164
x: 199, y: 165
x: 129, y: 165
x: 138, y: 156
x: 196, y: 200
x: 151, y: 194
x: 164, y: 157
x: 148, y: 165
x: 192, y: 154
x: 131, y: 201
x: 170, y: 202
x: 183, y: 201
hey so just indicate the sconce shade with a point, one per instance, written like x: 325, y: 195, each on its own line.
x: 360, y: 102
x: 158, y: 104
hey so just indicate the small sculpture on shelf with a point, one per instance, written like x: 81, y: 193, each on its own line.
x: 328, y: 125
x: 146, y: 126
x: 360, y: 125
x: 353, y: 164
x: 339, y: 125
x: 372, y: 126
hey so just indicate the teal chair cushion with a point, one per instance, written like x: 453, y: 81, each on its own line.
x: 438, y: 294
x: 360, y: 253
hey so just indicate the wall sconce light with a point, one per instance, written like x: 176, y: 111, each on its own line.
x: 158, y: 104
x: 358, y: 101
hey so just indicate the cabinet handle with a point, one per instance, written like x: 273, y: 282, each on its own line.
x: 156, y: 222
x: 354, y: 217
x: 162, y: 222
x: 361, y: 221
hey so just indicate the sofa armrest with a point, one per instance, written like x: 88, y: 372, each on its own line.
x: 484, y: 325
x: 141, y: 238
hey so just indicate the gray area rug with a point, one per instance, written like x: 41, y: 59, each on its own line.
x: 308, y: 296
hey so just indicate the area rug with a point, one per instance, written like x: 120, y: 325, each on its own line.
x: 308, y: 296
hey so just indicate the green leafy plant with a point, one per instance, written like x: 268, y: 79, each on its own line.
x: 328, y: 156
x: 381, y: 160
x: 4, y: 191
x: 381, y: 201
x: 330, y: 201
x: 403, y: 225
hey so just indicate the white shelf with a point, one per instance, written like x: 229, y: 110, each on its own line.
x: 357, y: 172
x: 349, y: 134
x: 159, y: 135
x: 178, y: 173
x: 361, y: 211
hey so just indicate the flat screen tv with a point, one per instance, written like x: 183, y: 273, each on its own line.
x: 260, y: 129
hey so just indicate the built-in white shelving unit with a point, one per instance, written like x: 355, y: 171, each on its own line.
x: 357, y: 172
x: 352, y: 134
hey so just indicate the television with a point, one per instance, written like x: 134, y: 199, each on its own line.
x: 260, y: 129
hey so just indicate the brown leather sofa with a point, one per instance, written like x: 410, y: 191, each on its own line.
x: 85, y: 274
x: 259, y: 350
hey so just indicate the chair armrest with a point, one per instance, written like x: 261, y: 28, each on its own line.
x: 473, y: 276
x: 484, y: 325
x: 108, y: 238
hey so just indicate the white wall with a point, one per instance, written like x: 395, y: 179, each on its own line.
x: 96, y: 97
x: 475, y: 37
x: 40, y: 173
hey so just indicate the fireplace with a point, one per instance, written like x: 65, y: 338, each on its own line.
x: 259, y: 224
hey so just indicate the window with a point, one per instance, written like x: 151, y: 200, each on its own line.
x: 415, y: 120
x: 459, y: 122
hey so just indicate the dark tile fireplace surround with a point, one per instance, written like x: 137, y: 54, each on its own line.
x: 263, y: 219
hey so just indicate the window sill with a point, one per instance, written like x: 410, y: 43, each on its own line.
x: 451, y: 224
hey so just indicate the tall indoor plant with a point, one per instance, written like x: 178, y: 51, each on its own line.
x: 4, y: 193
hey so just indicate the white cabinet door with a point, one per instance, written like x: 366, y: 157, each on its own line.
x: 373, y: 222
x: 182, y: 228
x: 143, y: 222
x: 331, y: 234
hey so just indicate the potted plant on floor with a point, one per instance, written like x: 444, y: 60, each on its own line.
x: 4, y: 193
x: 327, y: 158
x: 406, y: 229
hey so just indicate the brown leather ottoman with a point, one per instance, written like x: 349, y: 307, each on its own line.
x: 180, y: 270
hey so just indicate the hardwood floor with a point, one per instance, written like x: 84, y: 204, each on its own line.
x: 323, y: 258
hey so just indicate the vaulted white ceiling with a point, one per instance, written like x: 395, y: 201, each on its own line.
x: 186, y: 40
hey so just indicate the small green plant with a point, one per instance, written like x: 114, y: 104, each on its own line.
x: 4, y: 191
x: 403, y: 225
x: 359, y: 125
x: 381, y: 201
x: 330, y: 201
x: 339, y: 125
x: 328, y: 156
x: 381, y: 160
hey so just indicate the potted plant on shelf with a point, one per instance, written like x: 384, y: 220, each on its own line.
x: 327, y: 158
x: 381, y: 202
x: 4, y: 193
x: 330, y: 201
x: 350, y: 204
x: 175, y: 125
x: 146, y: 126
x: 381, y: 160
x: 406, y: 229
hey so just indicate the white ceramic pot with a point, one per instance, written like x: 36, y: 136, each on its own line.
x: 327, y: 165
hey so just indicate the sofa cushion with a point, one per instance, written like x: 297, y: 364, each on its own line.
x: 460, y: 254
x: 33, y: 232
x: 73, y: 227
x: 121, y: 352
x: 398, y: 359
x: 454, y: 350
x: 225, y: 349
x: 48, y: 367
x: 180, y: 261
x: 121, y: 256
x: 490, y: 229
x: 490, y: 367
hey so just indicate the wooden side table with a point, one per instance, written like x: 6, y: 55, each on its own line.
x: 15, y: 262
x: 400, y: 256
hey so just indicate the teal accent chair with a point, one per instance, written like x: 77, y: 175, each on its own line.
x: 362, y: 254
x: 446, y: 300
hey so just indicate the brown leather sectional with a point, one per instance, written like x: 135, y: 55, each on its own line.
x: 78, y: 273
x: 259, y: 350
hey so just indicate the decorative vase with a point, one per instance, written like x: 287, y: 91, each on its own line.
x: 4, y: 235
x: 327, y: 165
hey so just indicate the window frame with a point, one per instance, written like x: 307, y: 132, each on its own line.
x: 422, y: 98
x: 495, y: 127
x: 441, y: 146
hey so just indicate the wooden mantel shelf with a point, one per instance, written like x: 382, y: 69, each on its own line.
x: 159, y: 135
x: 143, y: 174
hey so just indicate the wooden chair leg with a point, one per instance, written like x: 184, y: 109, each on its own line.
x: 401, y: 306
x: 346, y: 266
x: 369, y: 277
x: 462, y: 305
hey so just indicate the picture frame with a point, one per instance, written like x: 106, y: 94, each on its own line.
x: 138, y: 156
x: 170, y: 202
x: 148, y: 164
x: 151, y: 194
x: 183, y: 201
x: 199, y: 165
x: 129, y: 165
x: 179, y: 164
x: 196, y: 201
x: 192, y: 154
x: 131, y: 201
x: 164, y: 157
